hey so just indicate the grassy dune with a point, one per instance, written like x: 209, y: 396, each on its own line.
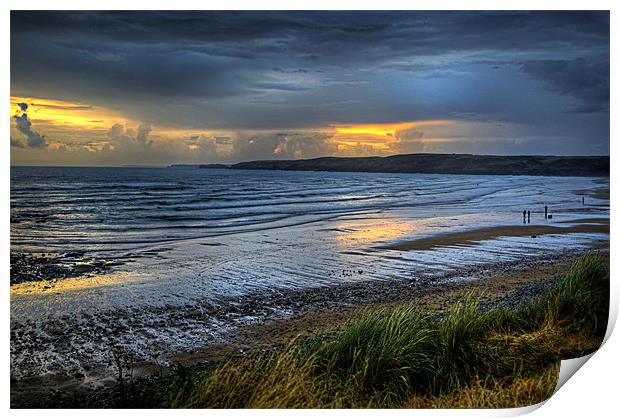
x: 403, y: 357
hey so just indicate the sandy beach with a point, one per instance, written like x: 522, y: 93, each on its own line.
x: 590, y: 225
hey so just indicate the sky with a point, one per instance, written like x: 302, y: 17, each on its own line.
x: 156, y: 88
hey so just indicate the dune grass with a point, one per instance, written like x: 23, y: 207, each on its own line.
x: 403, y: 357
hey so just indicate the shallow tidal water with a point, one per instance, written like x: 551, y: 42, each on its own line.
x: 176, y: 239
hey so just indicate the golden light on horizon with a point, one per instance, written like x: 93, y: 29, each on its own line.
x: 380, y: 138
x: 67, y: 114
x: 389, y: 129
x: 71, y: 127
x: 373, y: 129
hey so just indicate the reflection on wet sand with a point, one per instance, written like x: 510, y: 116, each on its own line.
x: 80, y: 283
x: 361, y: 233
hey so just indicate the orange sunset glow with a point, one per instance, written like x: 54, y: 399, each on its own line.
x: 380, y: 138
x: 72, y: 115
x: 387, y: 129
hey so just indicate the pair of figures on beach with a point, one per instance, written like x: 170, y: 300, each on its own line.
x: 528, y: 215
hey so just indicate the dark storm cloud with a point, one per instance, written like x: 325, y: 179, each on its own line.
x: 24, y: 125
x: 288, y: 70
x: 218, y: 54
x: 316, y: 34
x: 586, y: 80
x: 62, y: 107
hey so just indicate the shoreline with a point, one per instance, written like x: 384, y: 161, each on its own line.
x: 472, y: 237
x: 502, y: 283
x: 319, y: 310
x: 49, y: 268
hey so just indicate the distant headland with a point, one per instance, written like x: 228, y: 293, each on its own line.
x: 462, y: 164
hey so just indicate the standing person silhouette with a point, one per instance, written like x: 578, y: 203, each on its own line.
x: 545, y: 212
x: 528, y: 217
x: 523, y: 216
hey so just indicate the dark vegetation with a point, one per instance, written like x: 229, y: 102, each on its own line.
x: 468, y: 164
x: 403, y: 357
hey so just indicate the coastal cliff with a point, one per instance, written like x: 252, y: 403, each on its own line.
x: 465, y: 164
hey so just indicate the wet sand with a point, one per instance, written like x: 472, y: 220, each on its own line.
x: 512, y: 288
x: 598, y: 193
x: 473, y: 237
x: 602, y: 193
